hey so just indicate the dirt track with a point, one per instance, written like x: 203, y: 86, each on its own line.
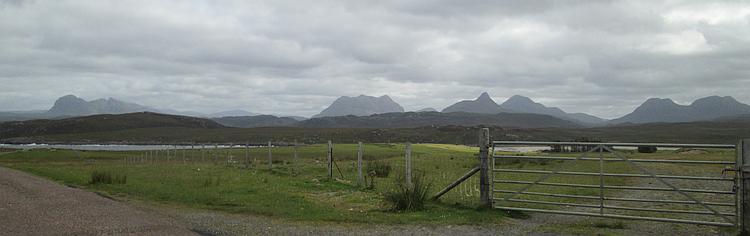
x: 30, y: 205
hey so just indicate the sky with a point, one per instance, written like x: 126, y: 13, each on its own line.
x: 292, y: 57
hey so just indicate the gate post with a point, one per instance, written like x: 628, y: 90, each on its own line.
x: 484, y: 168
x: 743, y: 164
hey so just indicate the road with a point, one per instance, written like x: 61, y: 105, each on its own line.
x: 30, y: 205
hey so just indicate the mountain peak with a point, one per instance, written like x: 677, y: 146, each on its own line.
x: 361, y: 105
x: 483, y: 104
x: 715, y: 100
x: 659, y: 102
x: 520, y: 99
x: 484, y: 97
x: 69, y: 96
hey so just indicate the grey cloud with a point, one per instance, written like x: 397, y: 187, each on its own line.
x: 292, y: 57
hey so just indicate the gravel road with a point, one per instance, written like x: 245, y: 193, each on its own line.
x: 30, y: 205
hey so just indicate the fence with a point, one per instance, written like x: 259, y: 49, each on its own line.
x: 699, y: 192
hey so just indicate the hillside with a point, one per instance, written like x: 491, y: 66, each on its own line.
x: 418, y: 119
x: 100, y: 123
x: 255, y: 121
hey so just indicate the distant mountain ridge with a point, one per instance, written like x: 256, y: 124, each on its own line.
x: 256, y: 121
x: 482, y: 105
x: 665, y: 110
x: 422, y: 119
x: 519, y: 104
x: 101, y: 123
x: 232, y: 113
x: 71, y: 105
x: 360, y: 106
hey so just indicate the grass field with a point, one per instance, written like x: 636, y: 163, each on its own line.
x: 295, y: 189
x: 298, y: 189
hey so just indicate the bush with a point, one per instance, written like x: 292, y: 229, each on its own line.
x: 408, y: 198
x: 379, y: 169
x: 103, y: 177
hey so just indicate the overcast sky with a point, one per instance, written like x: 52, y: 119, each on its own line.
x: 296, y: 57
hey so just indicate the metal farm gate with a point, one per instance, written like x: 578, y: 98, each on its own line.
x: 601, y: 180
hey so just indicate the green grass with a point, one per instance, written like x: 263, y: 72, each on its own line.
x: 298, y: 189
x: 295, y: 189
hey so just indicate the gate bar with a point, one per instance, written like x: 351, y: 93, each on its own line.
x: 616, y: 207
x: 615, y: 174
x: 456, y: 183
x: 675, y: 145
x: 614, y: 187
x: 614, y: 216
x: 615, y: 198
x: 613, y: 159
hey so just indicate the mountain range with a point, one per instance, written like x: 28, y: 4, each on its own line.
x: 665, y: 110
x: 71, y: 105
x: 380, y: 111
x: 519, y: 104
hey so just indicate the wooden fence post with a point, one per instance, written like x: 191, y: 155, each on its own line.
x: 247, y: 154
x: 330, y: 159
x: 296, y: 158
x: 408, y: 165
x: 484, y: 164
x: 360, y: 177
x: 270, y: 158
x: 743, y: 164
x: 229, y: 155
x: 215, y: 152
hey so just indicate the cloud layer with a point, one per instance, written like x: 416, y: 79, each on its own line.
x: 296, y: 57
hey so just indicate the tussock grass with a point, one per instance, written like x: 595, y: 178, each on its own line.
x: 104, y: 177
x: 405, y: 197
x: 379, y: 169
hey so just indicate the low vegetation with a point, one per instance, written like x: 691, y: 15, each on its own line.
x: 296, y: 189
x: 104, y: 177
x: 408, y: 196
x: 380, y: 169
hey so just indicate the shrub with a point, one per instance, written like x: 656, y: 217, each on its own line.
x: 380, y: 169
x: 103, y: 177
x: 408, y: 198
